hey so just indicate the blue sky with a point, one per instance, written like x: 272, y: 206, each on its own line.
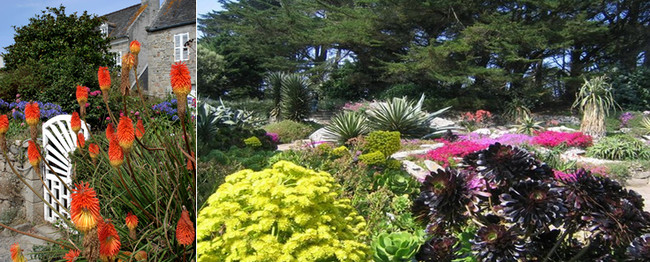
x: 18, y: 12
x: 205, y: 6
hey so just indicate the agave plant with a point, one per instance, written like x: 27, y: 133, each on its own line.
x: 345, y: 126
x: 395, y: 247
x: 206, y: 123
x: 295, y: 97
x: 595, y: 100
x: 527, y: 125
x: 402, y: 115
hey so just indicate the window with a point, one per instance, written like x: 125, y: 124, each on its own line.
x: 118, y: 58
x: 104, y: 29
x: 181, y: 52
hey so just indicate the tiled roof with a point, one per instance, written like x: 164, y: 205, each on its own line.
x: 174, y: 13
x: 119, y: 21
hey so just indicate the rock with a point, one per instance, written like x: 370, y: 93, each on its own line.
x: 432, y: 146
x: 625, y: 130
x: 416, y: 171
x: 561, y: 129
x: 404, y: 154
x: 482, y: 131
x: 646, y: 137
x: 439, y: 122
x: 24, y: 227
x: 573, y: 153
x: 5, y: 233
x: 432, y: 166
x: 319, y: 135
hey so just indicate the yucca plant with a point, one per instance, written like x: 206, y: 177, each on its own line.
x: 402, y: 115
x: 516, y: 111
x: 645, y: 122
x: 346, y: 125
x: 206, y: 125
x: 133, y: 189
x: 274, y: 81
x: 595, y: 100
x: 295, y: 97
x: 527, y: 125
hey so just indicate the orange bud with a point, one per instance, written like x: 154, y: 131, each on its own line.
x: 131, y: 221
x: 125, y: 133
x: 110, y: 131
x: 139, y: 129
x: 32, y: 113
x: 93, y: 150
x: 75, y: 122
x: 104, y: 78
x: 180, y: 79
x: 72, y: 255
x: 4, y: 124
x: 16, y: 253
x: 135, y: 47
x: 115, y: 153
x: 109, y: 241
x: 185, y: 229
x: 82, y: 95
x: 81, y: 140
x: 33, y: 155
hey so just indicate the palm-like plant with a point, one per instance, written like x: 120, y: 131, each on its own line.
x: 527, y: 124
x: 346, y: 125
x: 595, y: 100
x: 206, y: 124
x: 402, y: 115
x: 274, y: 81
x: 295, y: 97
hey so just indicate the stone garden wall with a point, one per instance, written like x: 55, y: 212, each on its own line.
x: 17, y: 200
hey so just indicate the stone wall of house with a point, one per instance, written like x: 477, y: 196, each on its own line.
x: 16, y: 199
x: 161, y: 57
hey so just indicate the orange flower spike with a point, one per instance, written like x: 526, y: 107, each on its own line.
x: 17, y: 253
x: 84, y: 207
x: 93, y: 150
x: 4, y: 124
x: 82, y: 95
x: 110, y: 131
x: 180, y: 79
x: 81, y: 140
x: 32, y: 114
x: 33, y: 155
x: 128, y: 60
x: 109, y: 241
x: 75, y: 122
x: 115, y: 153
x: 125, y: 133
x: 135, y: 47
x: 185, y: 229
x: 72, y: 255
x: 104, y: 78
x: 131, y: 223
x: 139, y: 129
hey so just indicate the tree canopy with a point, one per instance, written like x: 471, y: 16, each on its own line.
x: 537, y: 51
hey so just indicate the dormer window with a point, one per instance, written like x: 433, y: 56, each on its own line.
x: 104, y: 29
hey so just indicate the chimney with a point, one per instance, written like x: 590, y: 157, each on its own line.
x: 152, y: 9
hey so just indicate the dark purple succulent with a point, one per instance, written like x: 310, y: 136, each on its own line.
x: 639, y: 249
x: 440, y: 249
x: 505, y: 164
x: 533, y: 205
x: 498, y: 244
x: 619, y: 225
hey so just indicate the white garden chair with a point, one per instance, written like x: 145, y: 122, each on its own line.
x: 58, y: 142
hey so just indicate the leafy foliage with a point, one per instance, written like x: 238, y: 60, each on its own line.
x: 398, y: 247
x: 595, y: 100
x: 284, y: 221
x: 402, y: 115
x: 289, y: 131
x: 294, y: 104
x: 620, y: 147
x: 383, y: 141
x: 346, y: 125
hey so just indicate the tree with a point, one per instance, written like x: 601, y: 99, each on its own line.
x: 210, y: 72
x: 59, y: 52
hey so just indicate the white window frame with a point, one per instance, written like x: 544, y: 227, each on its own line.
x: 104, y: 29
x: 181, y: 52
x: 118, y: 58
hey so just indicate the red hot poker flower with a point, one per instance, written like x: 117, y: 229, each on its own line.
x: 82, y: 95
x: 110, y: 131
x: 75, y: 122
x: 115, y: 153
x: 139, y: 129
x: 81, y: 140
x: 84, y: 207
x: 131, y: 223
x: 180, y: 79
x: 109, y: 241
x: 185, y: 229
x: 104, y: 78
x: 93, y: 150
x: 32, y: 114
x: 72, y: 255
x: 135, y: 47
x: 127, y: 61
x: 125, y: 133
x: 16, y: 253
x: 33, y: 155
x: 4, y: 124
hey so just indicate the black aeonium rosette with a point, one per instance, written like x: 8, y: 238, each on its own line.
x: 533, y: 205
x: 496, y: 243
x: 639, y: 249
x: 505, y: 164
x: 438, y: 249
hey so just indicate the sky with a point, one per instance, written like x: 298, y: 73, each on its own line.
x: 18, y: 13
x: 206, y: 6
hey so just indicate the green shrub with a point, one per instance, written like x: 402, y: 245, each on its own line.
x: 296, y: 97
x: 619, y: 147
x: 289, y: 131
x: 253, y: 141
x: 395, y: 247
x: 384, y: 141
x: 285, y: 213
x: 340, y: 151
x: 375, y: 158
x: 346, y: 125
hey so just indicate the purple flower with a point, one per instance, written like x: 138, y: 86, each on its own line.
x: 274, y: 137
x: 625, y: 118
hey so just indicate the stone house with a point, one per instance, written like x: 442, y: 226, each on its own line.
x: 166, y: 32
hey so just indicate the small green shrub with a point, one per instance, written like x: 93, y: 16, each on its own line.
x: 253, y: 141
x: 340, y: 151
x: 346, y: 125
x: 289, y: 131
x: 395, y: 247
x: 619, y: 147
x: 375, y: 158
x: 285, y: 213
x: 384, y: 141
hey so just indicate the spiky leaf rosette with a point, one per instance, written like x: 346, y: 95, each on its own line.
x: 639, y: 249
x: 496, y: 243
x: 533, y: 205
x: 503, y: 164
x: 438, y: 249
x: 446, y: 197
x: 619, y: 225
